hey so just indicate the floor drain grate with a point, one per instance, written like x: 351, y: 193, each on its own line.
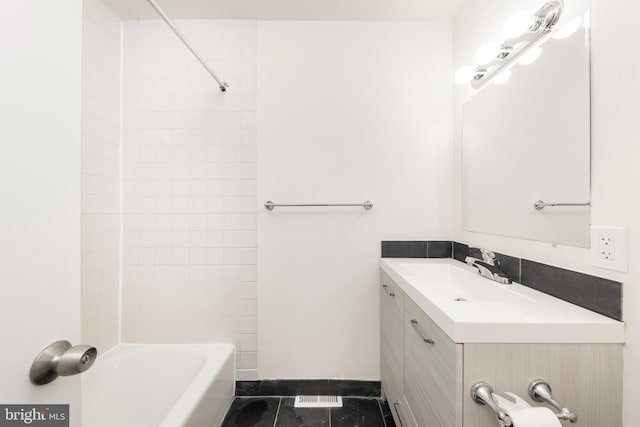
x: 318, y: 402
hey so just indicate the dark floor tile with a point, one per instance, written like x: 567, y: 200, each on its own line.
x: 386, y: 414
x: 354, y: 388
x: 439, y: 249
x: 594, y: 293
x: 248, y: 412
x: 357, y: 413
x: 404, y: 249
x: 289, y: 416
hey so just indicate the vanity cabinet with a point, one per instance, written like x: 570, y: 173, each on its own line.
x: 432, y: 371
x: 426, y: 376
x: 420, y: 366
x: 392, y: 350
x: 391, y: 336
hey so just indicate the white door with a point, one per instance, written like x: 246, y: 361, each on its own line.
x: 40, y: 66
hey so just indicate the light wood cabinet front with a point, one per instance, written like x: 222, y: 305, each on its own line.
x: 426, y: 377
x: 433, y: 371
x: 391, y: 338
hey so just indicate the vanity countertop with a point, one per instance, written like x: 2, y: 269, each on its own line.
x: 472, y: 309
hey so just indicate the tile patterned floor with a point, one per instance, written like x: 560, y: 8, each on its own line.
x: 280, y: 412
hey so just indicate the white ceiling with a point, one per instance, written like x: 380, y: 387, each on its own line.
x: 357, y: 10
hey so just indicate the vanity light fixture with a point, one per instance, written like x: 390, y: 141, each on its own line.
x: 524, y: 34
x: 571, y: 27
x: 531, y: 56
x: 502, y: 77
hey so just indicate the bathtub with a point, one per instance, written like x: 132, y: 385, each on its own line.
x: 159, y: 385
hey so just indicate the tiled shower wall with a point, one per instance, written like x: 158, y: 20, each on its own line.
x: 101, y: 63
x: 190, y: 187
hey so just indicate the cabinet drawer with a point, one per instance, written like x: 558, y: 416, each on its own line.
x: 391, y: 338
x: 433, y: 371
x: 401, y: 413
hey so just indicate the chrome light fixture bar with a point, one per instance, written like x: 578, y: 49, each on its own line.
x: 541, y: 25
x: 223, y: 85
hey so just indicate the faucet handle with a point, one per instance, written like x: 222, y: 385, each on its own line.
x: 487, y: 256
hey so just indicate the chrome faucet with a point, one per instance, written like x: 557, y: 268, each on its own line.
x: 488, y: 267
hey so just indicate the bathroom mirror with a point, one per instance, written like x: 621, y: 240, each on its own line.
x: 529, y: 140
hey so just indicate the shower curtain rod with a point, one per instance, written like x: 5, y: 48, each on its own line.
x: 223, y: 85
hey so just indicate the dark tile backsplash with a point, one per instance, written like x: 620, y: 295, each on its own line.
x: 510, y: 265
x: 594, y: 293
x: 439, y: 249
x: 426, y: 249
x: 460, y: 251
x: 404, y: 249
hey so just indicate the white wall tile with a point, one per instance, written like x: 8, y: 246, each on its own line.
x: 189, y: 187
x: 101, y: 176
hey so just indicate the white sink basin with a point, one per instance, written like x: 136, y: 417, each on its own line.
x: 473, y: 309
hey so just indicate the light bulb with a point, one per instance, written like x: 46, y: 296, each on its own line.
x: 464, y: 75
x: 570, y: 28
x: 531, y: 56
x: 487, y: 52
x: 517, y: 24
x: 502, y: 77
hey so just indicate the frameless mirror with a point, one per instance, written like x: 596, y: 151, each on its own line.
x: 529, y: 140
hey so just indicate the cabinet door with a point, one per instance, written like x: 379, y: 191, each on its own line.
x: 433, y: 371
x: 587, y: 378
x: 391, y: 338
x: 402, y: 413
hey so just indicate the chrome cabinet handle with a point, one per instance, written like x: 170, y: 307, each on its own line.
x: 414, y: 323
x: 386, y: 289
x: 395, y: 407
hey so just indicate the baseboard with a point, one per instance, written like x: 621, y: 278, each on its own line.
x: 345, y: 388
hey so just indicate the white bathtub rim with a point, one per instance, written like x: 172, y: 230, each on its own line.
x: 186, y: 404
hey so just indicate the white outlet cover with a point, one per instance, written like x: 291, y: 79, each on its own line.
x: 617, y: 258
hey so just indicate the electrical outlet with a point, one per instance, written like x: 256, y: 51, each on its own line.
x: 609, y: 248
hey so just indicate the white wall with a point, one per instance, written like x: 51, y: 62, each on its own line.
x: 346, y: 112
x: 189, y: 159
x: 615, y: 90
x: 100, y: 175
x: 40, y: 41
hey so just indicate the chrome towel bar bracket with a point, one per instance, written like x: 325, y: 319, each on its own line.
x: 367, y: 205
x: 540, y: 391
x: 482, y: 394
